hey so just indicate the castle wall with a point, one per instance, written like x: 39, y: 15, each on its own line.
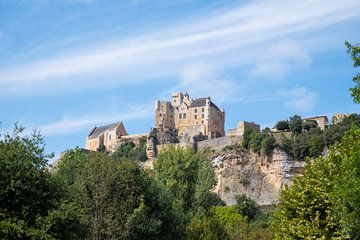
x: 218, y: 144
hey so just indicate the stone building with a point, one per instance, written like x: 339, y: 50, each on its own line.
x: 322, y: 121
x: 108, y: 135
x: 338, y: 118
x: 241, y: 127
x: 190, y: 116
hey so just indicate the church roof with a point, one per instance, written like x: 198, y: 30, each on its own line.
x: 201, y: 102
x: 97, y: 131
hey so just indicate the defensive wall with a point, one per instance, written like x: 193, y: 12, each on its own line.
x: 219, y: 143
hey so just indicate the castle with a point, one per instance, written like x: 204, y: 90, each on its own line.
x: 190, y: 116
x: 183, y: 122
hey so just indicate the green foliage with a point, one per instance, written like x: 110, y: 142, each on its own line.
x: 259, y: 142
x: 324, y: 203
x: 187, y: 177
x: 268, y: 144
x: 347, y: 190
x: 246, y: 139
x: 30, y: 206
x: 354, y: 51
x: 119, y: 200
x: 205, y: 227
x: 306, y: 208
x: 255, y: 141
x: 295, y: 124
x: 285, y: 144
x: 246, y: 207
x: 309, y: 124
x: 282, y: 125
x: 232, y: 221
x: 129, y: 151
x: 101, y: 148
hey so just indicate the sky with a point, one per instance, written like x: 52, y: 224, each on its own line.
x: 68, y: 65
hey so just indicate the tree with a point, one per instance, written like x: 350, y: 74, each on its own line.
x: 295, y: 124
x: 324, y: 202
x: 306, y: 209
x: 354, y: 51
x: 119, y: 199
x: 30, y: 206
x: 188, y: 178
x: 308, y: 124
x: 347, y: 187
x: 267, y: 145
x: 246, y: 207
x: 282, y: 125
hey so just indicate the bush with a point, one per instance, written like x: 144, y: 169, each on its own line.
x: 246, y: 207
x: 295, y: 124
x: 267, y: 145
x: 282, y: 125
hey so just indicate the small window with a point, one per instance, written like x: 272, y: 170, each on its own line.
x: 109, y: 136
x: 195, y: 116
x: 197, y: 122
x: 180, y: 115
x: 174, y: 100
x: 184, y: 115
x: 202, y: 115
x: 202, y: 109
x: 202, y: 121
x: 195, y: 110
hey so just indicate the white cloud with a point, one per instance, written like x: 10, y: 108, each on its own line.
x: 74, y: 124
x: 230, y: 38
x: 201, y: 79
x: 279, y: 58
x: 298, y: 98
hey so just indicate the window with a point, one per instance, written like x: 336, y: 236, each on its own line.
x: 195, y: 116
x: 202, y: 109
x: 109, y: 136
x: 202, y: 115
x: 184, y: 115
x: 202, y: 121
x: 195, y: 110
x: 180, y: 115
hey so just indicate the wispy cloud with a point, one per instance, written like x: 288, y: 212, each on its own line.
x: 298, y: 98
x: 72, y: 124
x: 231, y: 38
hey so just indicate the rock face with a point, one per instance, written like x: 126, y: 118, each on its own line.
x: 260, y: 178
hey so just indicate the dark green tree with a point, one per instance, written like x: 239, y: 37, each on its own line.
x: 282, y: 125
x: 267, y: 145
x: 354, y: 51
x: 246, y: 207
x: 30, y: 206
x: 295, y: 124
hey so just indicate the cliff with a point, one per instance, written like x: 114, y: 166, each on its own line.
x: 259, y: 177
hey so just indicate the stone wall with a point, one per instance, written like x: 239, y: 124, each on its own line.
x: 218, y: 144
x: 258, y: 177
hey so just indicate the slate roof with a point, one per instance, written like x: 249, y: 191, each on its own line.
x: 201, y: 102
x: 97, y: 131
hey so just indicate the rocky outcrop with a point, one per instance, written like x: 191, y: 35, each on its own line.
x: 259, y: 177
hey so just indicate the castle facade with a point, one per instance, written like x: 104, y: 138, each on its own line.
x: 190, y: 116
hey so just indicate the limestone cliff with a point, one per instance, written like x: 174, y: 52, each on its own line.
x: 260, y: 178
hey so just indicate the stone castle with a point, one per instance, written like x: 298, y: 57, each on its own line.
x: 183, y: 122
x: 190, y: 116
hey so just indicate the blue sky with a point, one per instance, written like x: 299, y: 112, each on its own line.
x: 68, y: 65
